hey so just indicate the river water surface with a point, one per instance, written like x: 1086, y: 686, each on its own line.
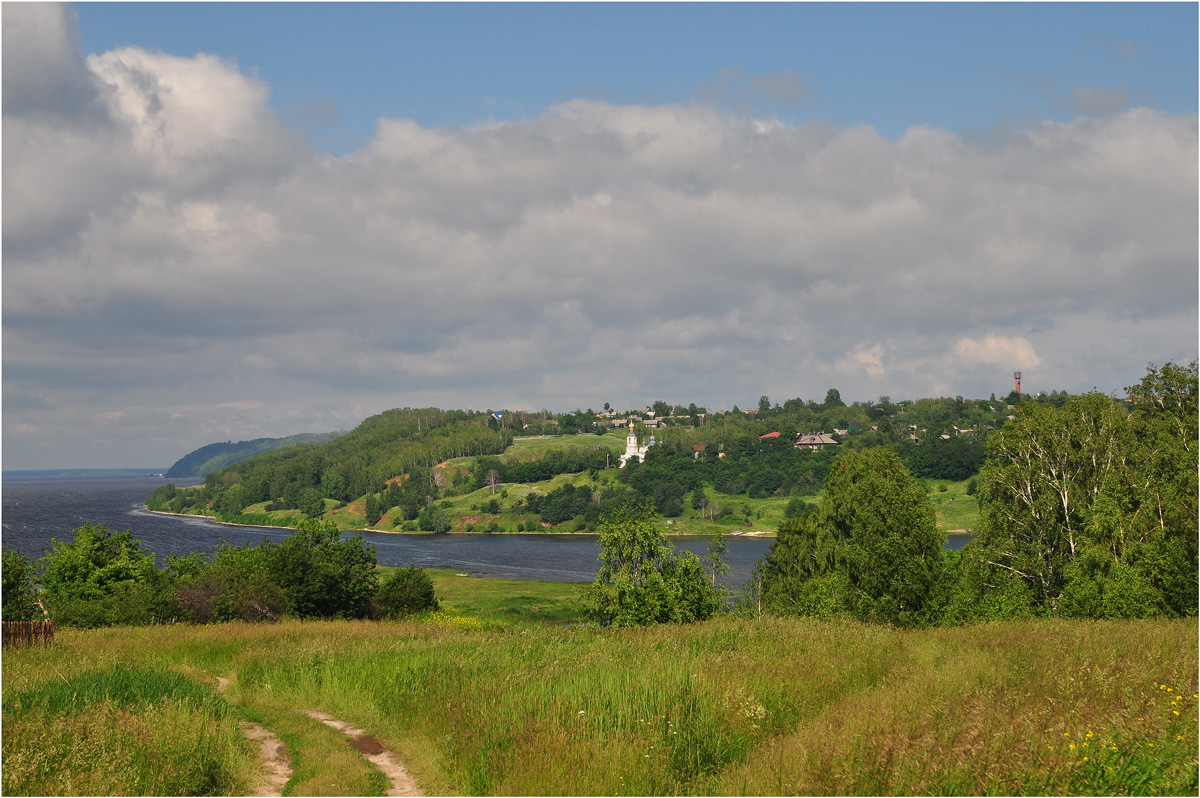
x: 39, y: 507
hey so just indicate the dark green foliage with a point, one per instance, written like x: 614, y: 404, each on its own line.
x: 1091, y: 509
x: 434, y: 519
x: 372, y: 510
x: 322, y: 575
x: 103, y: 578
x: 405, y: 591
x: 797, y: 507
x: 215, y: 456
x: 569, y: 502
x: 955, y: 458
x: 17, y: 601
x: 642, y: 579
x: 237, y: 585
x: 873, y: 550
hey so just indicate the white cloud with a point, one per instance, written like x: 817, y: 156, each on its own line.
x: 997, y: 350
x: 176, y: 249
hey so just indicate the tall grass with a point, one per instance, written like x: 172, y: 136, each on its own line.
x: 122, y: 731
x: 760, y: 706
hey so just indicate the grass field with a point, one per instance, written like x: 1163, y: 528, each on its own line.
x: 476, y: 700
x: 506, y: 600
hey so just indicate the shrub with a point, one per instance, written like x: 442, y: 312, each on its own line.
x: 17, y: 603
x: 104, y: 578
x: 405, y: 591
x: 643, y: 580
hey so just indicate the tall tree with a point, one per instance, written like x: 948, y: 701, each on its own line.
x: 1092, y: 512
x: 642, y: 580
x: 873, y: 549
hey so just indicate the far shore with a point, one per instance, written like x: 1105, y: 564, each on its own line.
x: 756, y: 533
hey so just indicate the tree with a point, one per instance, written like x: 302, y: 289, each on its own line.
x: 405, y: 591
x: 17, y: 602
x: 322, y: 575
x: 833, y: 398
x: 715, y: 559
x: 492, y: 479
x: 642, y: 580
x: 434, y: 519
x: 236, y: 585
x: 764, y: 405
x: 1092, y: 511
x: 372, y: 509
x: 312, y: 503
x: 104, y: 578
x: 872, y: 551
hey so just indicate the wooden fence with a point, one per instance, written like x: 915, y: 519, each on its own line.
x: 26, y: 633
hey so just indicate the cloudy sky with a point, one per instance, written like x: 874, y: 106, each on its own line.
x: 237, y: 221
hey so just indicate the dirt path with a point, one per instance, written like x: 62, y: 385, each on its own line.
x: 372, y: 749
x: 274, y: 765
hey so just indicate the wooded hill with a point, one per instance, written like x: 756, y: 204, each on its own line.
x: 214, y: 456
x: 397, y: 443
x: 389, y: 460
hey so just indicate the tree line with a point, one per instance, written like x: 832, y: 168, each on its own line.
x: 104, y: 578
x: 1088, y: 509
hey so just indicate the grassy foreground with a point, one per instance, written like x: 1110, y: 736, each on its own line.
x: 733, y: 706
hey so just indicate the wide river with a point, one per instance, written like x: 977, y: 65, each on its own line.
x: 38, y: 507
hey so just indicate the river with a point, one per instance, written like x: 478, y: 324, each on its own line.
x: 40, y: 506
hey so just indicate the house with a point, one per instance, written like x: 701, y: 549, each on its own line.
x: 698, y: 450
x: 769, y: 435
x: 815, y: 440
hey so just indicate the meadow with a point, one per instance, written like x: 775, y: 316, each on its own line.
x: 483, y: 697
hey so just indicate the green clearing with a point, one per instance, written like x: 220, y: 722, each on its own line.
x: 506, y: 600
x: 955, y: 509
x: 761, y: 706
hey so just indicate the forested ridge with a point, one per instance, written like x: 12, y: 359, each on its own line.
x: 403, y: 442
x: 220, y: 455
x: 389, y: 460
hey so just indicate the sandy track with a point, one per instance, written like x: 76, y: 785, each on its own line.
x: 373, y: 750
x: 275, y: 767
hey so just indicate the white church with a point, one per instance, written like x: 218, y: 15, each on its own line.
x: 631, y: 447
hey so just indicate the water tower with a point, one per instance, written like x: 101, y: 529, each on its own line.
x: 1017, y: 377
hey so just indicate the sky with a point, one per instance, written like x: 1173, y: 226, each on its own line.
x: 233, y: 221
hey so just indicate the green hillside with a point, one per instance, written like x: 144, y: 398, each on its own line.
x: 199, y: 463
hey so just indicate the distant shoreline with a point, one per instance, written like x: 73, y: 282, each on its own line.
x: 758, y: 533
x: 83, y: 472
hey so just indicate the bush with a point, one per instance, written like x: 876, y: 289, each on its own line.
x: 104, y: 578
x: 322, y: 575
x: 405, y: 591
x: 17, y: 602
x: 643, y: 580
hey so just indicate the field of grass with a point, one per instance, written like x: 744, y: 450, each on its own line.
x: 732, y: 706
x: 506, y: 600
x: 954, y: 508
